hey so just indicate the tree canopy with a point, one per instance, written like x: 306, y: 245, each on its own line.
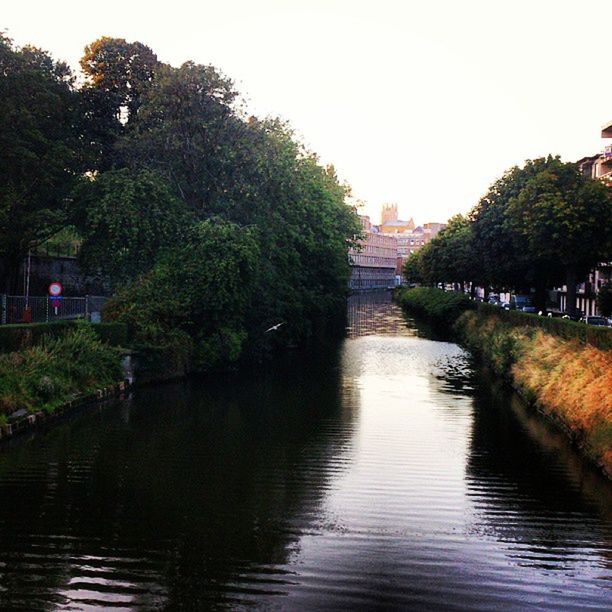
x: 40, y: 149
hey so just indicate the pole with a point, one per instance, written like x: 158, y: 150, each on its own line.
x: 27, y: 292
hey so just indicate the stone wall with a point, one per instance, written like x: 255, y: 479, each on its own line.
x: 66, y: 270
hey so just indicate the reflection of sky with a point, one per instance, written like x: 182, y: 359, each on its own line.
x: 403, y: 524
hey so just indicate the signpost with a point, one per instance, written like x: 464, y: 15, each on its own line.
x: 55, y: 295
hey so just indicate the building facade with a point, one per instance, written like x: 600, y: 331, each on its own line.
x: 373, y: 261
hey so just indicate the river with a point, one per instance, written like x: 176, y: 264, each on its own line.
x: 390, y: 472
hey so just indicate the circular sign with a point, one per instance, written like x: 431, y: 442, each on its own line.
x: 55, y: 289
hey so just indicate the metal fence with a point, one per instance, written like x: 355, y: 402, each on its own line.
x: 40, y: 309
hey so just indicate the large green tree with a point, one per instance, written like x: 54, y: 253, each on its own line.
x: 40, y: 150
x: 126, y: 219
x: 562, y: 218
x: 197, y: 293
x: 189, y: 129
x: 117, y: 75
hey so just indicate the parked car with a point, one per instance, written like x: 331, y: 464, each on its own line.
x: 521, y: 302
x: 593, y: 320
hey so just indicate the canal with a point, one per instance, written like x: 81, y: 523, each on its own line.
x: 389, y: 472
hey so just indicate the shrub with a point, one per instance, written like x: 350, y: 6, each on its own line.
x: 601, y: 337
x: 25, y: 335
x: 441, y: 307
x: 47, y: 375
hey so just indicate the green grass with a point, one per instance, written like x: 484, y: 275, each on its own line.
x: 56, y: 370
x: 21, y: 336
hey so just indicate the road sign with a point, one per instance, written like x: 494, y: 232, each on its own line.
x: 55, y: 289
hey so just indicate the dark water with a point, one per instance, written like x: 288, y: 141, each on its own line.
x: 387, y: 474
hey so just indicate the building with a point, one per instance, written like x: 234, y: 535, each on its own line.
x: 374, y: 261
x: 599, y: 166
x: 410, y: 240
x: 389, y: 222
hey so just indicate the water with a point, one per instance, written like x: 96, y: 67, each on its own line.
x: 390, y: 473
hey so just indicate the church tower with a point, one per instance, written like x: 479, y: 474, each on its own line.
x: 389, y: 213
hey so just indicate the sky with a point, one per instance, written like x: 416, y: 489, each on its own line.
x: 423, y: 104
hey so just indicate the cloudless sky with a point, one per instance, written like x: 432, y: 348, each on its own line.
x: 419, y: 103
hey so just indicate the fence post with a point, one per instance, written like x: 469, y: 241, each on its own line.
x: 47, y: 309
x: 3, y: 309
x: 87, y: 307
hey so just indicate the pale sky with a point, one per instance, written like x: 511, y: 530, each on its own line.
x: 419, y: 103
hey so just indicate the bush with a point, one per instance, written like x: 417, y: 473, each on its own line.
x: 601, y: 337
x: 25, y: 335
x: 441, y: 307
x: 47, y: 375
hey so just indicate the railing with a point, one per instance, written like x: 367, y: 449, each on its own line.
x: 40, y: 309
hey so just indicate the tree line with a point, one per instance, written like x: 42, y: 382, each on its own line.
x: 539, y: 226
x: 210, y: 223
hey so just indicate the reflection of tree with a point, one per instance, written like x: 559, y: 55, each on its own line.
x: 197, y: 497
x: 529, y: 488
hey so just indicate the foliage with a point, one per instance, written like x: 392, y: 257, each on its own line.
x: 600, y: 337
x: 561, y: 218
x: 441, y: 307
x: 25, y: 335
x: 449, y: 257
x: 125, y: 219
x: 411, y: 268
x: 118, y: 73
x: 47, y: 375
x: 187, y: 130
x: 192, y: 207
x: 199, y: 291
x: 40, y: 150
x: 604, y: 300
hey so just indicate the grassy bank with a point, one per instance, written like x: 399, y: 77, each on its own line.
x: 55, y: 370
x: 562, y: 367
x: 567, y: 379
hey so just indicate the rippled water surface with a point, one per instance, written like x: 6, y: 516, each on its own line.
x: 390, y: 473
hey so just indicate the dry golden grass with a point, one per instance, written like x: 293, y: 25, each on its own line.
x: 573, y: 382
x: 569, y: 380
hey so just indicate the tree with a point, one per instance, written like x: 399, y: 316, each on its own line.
x: 504, y: 262
x: 118, y: 74
x: 454, y: 259
x: 604, y: 300
x: 562, y: 218
x: 201, y: 290
x: 188, y: 132
x: 40, y: 154
x: 125, y: 220
x: 411, y: 268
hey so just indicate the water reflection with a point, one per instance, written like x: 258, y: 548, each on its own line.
x: 388, y: 473
x: 195, y: 494
x: 532, y: 491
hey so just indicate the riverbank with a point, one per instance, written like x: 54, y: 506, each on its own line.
x: 53, y: 368
x: 562, y: 369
